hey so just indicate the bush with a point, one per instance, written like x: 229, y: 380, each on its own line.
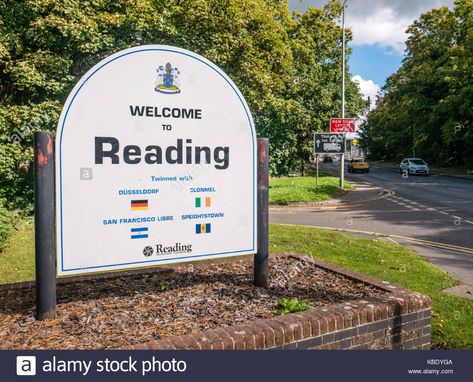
x: 7, y: 225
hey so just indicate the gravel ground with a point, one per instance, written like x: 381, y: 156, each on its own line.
x: 141, y: 308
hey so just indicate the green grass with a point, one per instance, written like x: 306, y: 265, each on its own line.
x: 452, y: 316
x: 283, y: 191
x: 17, y: 260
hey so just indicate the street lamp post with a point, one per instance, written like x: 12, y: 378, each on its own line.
x: 342, y: 156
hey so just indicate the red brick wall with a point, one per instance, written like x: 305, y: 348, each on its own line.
x: 401, y: 319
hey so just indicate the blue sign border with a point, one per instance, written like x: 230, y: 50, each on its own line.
x: 252, y: 128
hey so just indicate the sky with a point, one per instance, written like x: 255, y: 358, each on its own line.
x: 378, y: 35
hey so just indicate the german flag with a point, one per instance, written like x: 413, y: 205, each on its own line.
x: 137, y: 205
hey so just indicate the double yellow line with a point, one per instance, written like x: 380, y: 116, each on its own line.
x: 449, y: 247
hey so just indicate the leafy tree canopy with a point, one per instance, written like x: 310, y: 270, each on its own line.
x: 427, y: 105
x: 287, y: 66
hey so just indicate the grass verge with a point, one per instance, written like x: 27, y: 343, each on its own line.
x: 283, y: 191
x: 17, y: 260
x: 452, y: 316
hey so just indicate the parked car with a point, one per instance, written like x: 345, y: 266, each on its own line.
x: 327, y: 158
x: 414, y: 166
x: 358, y: 164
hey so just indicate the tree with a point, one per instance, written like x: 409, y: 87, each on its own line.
x: 426, y: 105
x: 313, y: 90
x: 286, y: 66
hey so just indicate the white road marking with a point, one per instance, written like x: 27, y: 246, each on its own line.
x: 408, y: 204
x: 411, y: 205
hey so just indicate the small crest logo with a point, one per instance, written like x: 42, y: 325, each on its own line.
x: 168, y: 80
x: 148, y: 251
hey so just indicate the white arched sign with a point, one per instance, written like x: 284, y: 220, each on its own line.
x: 155, y: 163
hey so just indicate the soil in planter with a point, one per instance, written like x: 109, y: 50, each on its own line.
x: 140, y: 308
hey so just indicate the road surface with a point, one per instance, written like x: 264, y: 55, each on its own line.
x: 434, y: 208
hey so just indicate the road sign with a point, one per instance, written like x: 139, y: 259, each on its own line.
x: 329, y: 143
x: 342, y: 125
x: 354, y: 142
x: 156, y: 163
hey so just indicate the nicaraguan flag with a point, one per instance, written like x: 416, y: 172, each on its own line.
x: 202, y: 228
x: 139, y: 233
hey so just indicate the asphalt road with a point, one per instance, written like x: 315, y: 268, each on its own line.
x: 434, y: 208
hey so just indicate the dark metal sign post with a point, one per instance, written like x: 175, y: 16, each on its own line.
x: 44, y: 226
x: 261, y: 258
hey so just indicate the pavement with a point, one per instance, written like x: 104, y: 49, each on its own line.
x: 432, y: 214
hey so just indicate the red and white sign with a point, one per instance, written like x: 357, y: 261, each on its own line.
x: 342, y: 125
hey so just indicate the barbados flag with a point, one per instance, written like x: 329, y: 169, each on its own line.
x: 139, y: 233
x: 202, y: 228
x: 207, y: 200
x: 137, y: 205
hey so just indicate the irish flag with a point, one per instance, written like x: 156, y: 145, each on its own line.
x: 199, y: 201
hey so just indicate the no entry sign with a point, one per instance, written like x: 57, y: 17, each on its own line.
x: 156, y: 163
x: 342, y: 125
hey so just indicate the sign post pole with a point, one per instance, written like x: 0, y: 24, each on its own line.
x: 261, y: 260
x: 317, y: 171
x: 342, y: 125
x: 44, y: 226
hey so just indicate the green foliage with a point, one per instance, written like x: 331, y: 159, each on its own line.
x: 7, y: 225
x: 287, y: 66
x: 291, y: 305
x: 164, y: 286
x: 311, y: 94
x: 427, y: 106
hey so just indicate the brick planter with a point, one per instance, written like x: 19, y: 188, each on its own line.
x: 401, y: 319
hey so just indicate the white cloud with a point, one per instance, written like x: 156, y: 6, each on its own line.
x: 368, y: 88
x: 380, y: 22
x: 384, y: 28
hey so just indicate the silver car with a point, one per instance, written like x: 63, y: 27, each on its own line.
x: 414, y: 166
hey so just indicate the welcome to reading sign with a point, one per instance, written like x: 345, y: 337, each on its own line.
x: 155, y: 163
